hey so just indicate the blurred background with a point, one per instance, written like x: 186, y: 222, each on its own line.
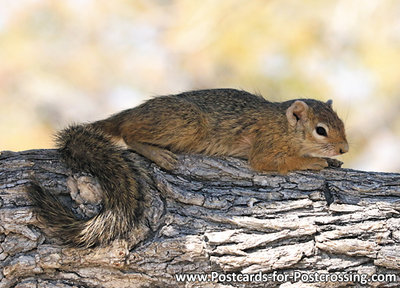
x: 82, y: 60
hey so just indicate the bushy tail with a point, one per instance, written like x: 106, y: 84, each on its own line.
x: 88, y: 149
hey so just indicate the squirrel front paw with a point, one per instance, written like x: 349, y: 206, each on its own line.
x: 334, y: 162
x: 315, y: 163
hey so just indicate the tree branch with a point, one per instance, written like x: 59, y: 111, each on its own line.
x: 209, y: 215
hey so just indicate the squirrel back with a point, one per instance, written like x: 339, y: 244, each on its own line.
x: 272, y: 136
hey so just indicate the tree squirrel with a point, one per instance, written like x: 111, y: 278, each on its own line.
x: 280, y: 137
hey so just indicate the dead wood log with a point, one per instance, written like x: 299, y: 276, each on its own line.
x: 209, y: 216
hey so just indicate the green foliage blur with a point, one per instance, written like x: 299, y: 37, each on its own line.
x: 82, y: 60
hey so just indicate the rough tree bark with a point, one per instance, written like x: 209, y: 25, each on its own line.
x: 209, y: 215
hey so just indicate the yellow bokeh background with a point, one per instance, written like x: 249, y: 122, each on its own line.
x: 82, y: 60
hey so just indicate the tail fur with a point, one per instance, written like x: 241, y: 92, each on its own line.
x: 88, y: 149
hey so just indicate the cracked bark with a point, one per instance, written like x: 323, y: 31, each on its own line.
x: 210, y: 214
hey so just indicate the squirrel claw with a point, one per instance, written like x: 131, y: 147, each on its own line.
x: 334, y: 162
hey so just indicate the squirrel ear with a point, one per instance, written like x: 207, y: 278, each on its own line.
x: 329, y: 102
x: 297, y: 111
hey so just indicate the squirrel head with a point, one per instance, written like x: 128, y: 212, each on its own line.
x: 322, y: 132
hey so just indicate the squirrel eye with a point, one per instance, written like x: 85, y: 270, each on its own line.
x: 321, y: 131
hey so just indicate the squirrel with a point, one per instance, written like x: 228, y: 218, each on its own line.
x: 273, y: 136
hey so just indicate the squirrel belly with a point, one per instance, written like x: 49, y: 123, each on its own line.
x: 273, y: 136
x: 88, y: 149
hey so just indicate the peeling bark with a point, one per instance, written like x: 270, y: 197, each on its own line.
x: 208, y: 215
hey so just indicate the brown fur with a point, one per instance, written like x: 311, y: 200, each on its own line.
x: 231, y: 123
x: 278, y: 137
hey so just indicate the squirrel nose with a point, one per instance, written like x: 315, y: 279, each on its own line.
x: 343, y: 148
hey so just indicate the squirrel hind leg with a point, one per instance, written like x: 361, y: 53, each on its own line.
x: 162, y: 157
